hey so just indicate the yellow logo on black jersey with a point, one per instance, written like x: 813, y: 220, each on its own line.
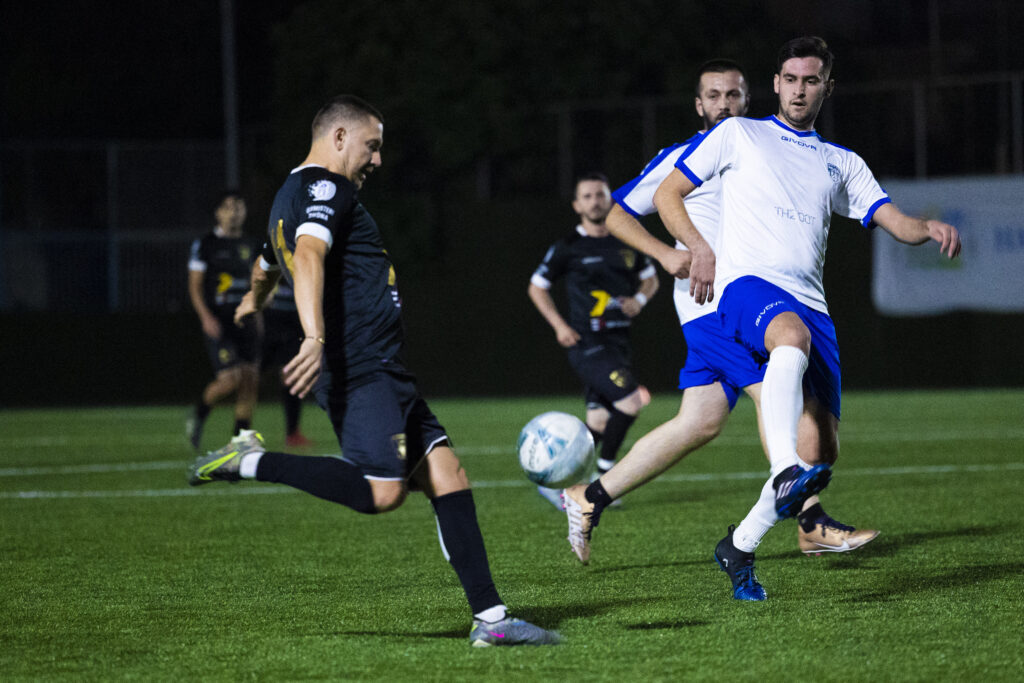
x: 400, y: 449
x: 628, y: 257
x: 281, y: 247
x: 244, y: 252
x: 224, y: 282
x: 619, y: 378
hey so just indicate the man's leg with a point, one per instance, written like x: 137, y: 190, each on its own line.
x: 441, y: 477
x: 224, y: 383
x: 702, y: 413
x: 621, y: 418
x: 248, y: 393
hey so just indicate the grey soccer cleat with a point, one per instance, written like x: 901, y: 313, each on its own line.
x: 511, y: 631
x: 223, y: 464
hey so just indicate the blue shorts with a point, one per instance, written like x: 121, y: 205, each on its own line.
x: 382, y: 423
x: 750, y: 303
x: 712, y: 356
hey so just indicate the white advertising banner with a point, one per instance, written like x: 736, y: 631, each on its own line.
x: 988, y: 275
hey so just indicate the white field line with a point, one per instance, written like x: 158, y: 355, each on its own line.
x: 518, y: 482
x: 918, y: 434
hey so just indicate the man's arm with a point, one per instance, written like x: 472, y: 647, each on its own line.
x: 211, y: 327
x: 632, y: 305
x: 542, y: 299
x: 917, y: 230
x: 301, y: 372
x: 669, y: 200
x: 630, y: 231
x: 261, y: 284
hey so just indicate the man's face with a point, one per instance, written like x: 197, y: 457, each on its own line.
x: 593, y: 200
x: 802, y: 87
x: 231, y: 213
x: 358, y: 148
x: 722, y: 95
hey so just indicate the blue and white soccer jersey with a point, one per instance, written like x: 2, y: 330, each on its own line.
x: 711, y: 356
x: 779, y: 189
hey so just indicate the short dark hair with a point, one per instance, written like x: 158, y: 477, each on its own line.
x: 345, y: 108
x: 226, y: 194
x: 593, y: 175
x: 806, y: 46
x: 717, y: 66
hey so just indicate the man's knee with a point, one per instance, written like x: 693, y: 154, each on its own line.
x: 787, y: 329
x: 635, y: 402
x: 387, y: 495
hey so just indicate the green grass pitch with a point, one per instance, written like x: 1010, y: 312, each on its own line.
x: 113, y: 568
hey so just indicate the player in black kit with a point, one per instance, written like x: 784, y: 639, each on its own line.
x: 607, y: 284
x: 218, y: 277
x: 329, y: 247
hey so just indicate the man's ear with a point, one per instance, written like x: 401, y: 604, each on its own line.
x: 339, y: 137
x: 829, y: 87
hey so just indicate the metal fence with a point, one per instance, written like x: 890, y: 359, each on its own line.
x: 105, y: 226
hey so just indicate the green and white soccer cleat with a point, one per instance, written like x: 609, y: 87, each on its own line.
x: 223, y: 464
x: 510, y: 631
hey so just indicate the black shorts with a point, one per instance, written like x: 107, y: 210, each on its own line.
x: 383, y: 424
x: 606, y: 372
x: 236, y: 344
x: 282, y: 336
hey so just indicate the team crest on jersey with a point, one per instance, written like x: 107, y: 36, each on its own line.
x: 398, y: 441
x: 628, y: 257
x: 619, y: 378
x: 322, y: 190
x: 244, y: 252
x: 833, y: 170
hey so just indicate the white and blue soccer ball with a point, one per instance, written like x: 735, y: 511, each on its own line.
x: 556, y: 450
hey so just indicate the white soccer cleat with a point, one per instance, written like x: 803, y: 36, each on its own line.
x: 579, y: 514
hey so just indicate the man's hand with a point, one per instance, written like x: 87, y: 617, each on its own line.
x: 566, y: 336
x: 246, y: 307
x: 301, y: 373
x: 946, y: 235
x: 702, y: 275
x: 676, y: 263
x: 630, y: 306
x: 211, y: 326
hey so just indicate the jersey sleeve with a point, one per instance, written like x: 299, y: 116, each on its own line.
x: 552, y: 267
x: 196, y: 259
x: 710, y: 155
x: 268, y: 259
x: 637, y: 196
x: 323, y: 201
x: 859, y: 194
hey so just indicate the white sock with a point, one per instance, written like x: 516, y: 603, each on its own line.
x: 604, y: 465
x: 247, y: 468
x: 782, y: 401
x: 762, y: 517
x: 492, y: 614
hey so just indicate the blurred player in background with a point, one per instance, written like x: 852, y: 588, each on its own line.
x: 218, y: 277
x: 282, y: 335
x: 780, y: 184
x: 331, y: 251
x: 717, y: 367
x: 607, y: 285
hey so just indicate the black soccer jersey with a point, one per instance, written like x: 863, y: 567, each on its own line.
x: 361, y: 302
x: 225, y: 263
x: 597, y: 271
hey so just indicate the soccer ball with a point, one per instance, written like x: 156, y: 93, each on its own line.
x: 556, y: 450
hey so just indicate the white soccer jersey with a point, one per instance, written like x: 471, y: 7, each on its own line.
x: 637, y: 198
x: 780, y: 187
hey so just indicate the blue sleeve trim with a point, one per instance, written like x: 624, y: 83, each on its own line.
x: 689, y: 174
x: 868, y: 220
x: 626, y: 207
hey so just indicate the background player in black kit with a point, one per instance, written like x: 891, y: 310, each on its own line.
x: 330, y: 249
x: 607, y: 284
x: 218, y: 277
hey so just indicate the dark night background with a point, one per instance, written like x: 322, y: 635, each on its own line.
x: 472, y: 187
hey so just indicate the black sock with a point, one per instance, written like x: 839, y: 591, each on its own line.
x: 292, y: 408
x: 325, y: 477
x: 597, y: 436
x: 810, y: 517
x: 202, y: 411
x: 615, y: 433
x: 463, y: 545
x: 242, y: 424
x: 596, y: 494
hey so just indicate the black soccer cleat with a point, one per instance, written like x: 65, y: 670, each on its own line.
x: 740, y: 568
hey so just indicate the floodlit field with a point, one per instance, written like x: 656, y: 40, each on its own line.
x: 113, y: 568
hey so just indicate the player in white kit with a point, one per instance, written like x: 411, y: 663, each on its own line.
x: 717, y: 367
x: 780, y: 184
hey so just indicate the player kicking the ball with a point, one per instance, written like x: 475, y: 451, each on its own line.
x: 330, y: 250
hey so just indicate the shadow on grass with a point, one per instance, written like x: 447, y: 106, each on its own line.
x: 547, y: 617
x: 667, y: 625
x: 901, y: 586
